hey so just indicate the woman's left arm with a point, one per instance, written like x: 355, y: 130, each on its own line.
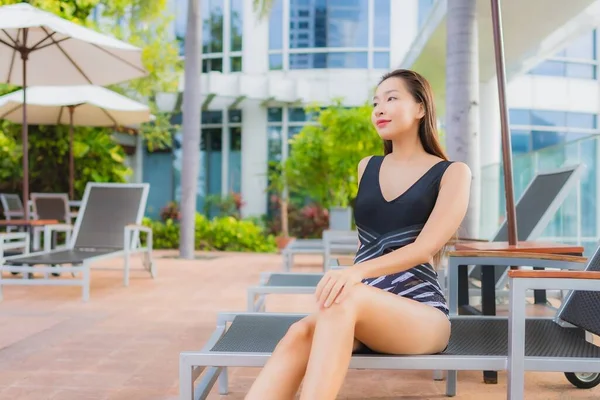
x: 449, y: 210
x: 445, y: 219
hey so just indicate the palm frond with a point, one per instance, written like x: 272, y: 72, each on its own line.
x: 263, y: 7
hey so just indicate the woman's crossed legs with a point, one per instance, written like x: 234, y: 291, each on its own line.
x: 318, y: 348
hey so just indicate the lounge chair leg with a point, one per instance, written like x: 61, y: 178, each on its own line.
x: 186, y: 383
x: 451, y: 383
x: 149, y: 247
x: 86, y: 282
x: 438, y: 375
x: 516, y: 341
x: 250, y: 300
x: 263, y: 303
x: 287, y: 261
x: 152, y: 269
x: 126, y: 270
x: 223, y: 382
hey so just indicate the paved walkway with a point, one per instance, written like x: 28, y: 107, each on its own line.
x: 125, y: 342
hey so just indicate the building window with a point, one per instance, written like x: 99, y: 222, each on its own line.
x: 578, y: 60
x: 536, y: 129
x: 335, y: 34
x: 214, y: 146
x: 218, y: 53
x: 282, y: 123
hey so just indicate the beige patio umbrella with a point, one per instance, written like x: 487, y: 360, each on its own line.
x: 83, y: 105
x: 39, y: 48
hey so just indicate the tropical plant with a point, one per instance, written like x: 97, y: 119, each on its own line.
x: 277, y: 185
x: 143, y: 23
x: 263, y: 7
x: 221, y: 233
x: 229, y: 205
x: 97, y: 158
x: 324, y: 157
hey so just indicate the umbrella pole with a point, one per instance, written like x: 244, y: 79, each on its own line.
x: 71, y: 157
x: 24, y: 132
x: 511, y: 215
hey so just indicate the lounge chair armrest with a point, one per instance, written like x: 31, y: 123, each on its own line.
x: 49, y: 229
x: 139, y: 228
x: 4, y: 236
x: 14, y: 241
x: 517, y: 254
x: 130, y: 229
x: 58, y: 227
x: 554, y: 274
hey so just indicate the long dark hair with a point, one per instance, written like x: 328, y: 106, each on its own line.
x: 421, y: 91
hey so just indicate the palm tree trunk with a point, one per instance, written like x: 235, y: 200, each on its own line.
x: 191, y: 128
x: 462, y: 99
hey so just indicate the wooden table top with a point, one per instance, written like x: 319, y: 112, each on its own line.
x: 27, y: 222
x: 522, y: 246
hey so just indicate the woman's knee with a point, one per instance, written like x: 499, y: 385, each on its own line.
x: 298, y: 333
x: 350, y: 305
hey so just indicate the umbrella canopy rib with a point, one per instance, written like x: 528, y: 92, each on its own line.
x: 11, y: 39
x: 77, y: 67
x: 105, y: 111
x: 2, y: 116
x: 118, y: 58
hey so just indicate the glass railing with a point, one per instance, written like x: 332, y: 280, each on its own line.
x: 577, y: 221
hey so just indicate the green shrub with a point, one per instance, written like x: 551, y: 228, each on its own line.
x: 165, y: 235
x: 98, y: 158
x: 221, y: 233
x: 230, y: 234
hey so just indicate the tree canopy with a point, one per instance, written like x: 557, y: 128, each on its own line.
x: 143, y: 23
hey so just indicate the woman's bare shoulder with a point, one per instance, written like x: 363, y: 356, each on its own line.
x: 362, y: 164
x: 456, y: 172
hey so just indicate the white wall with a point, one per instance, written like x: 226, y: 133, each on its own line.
x: 254, y: 159
x: 553, y: 93
x: 403, y: 28
x: 254, y: 116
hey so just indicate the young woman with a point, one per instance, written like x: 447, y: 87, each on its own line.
x: 410, y: 203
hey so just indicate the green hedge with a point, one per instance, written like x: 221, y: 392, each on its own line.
x: 220, y: 233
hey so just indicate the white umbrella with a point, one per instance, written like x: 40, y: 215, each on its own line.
x: 83, y: 105
x: 54, y: 51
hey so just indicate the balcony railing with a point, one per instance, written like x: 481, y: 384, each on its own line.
x: 578, y: 219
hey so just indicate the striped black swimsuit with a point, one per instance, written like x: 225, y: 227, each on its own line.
x: 384, y: 226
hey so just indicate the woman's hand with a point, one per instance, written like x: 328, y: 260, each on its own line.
x: 335, y: 285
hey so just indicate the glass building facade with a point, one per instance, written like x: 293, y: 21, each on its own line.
x: 578, y: 60
x: 315, y: 34
x: 220, y: 143
x: 536, y: 129
x: 221, y: 33
x: 578, y: 219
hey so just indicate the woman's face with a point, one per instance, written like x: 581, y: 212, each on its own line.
x: 395, y: 111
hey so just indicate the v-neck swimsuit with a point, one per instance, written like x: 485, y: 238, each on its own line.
x: 384, y: 226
